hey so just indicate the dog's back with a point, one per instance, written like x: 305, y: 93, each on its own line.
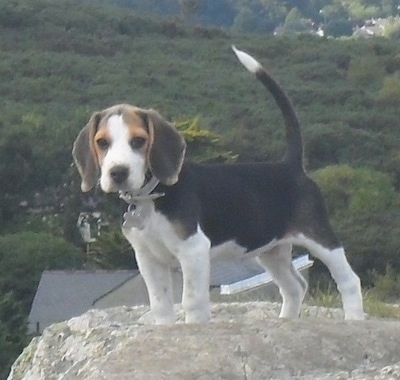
x: 249, y: 203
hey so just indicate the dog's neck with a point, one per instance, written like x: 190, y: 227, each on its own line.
x: 139, y: 204
x: 142, y: 194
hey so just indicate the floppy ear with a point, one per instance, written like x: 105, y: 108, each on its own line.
x: 167, y: 148
x: 84, y: 156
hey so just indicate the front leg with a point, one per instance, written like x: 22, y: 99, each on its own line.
x: 158, y: 280
x: 194, y: 257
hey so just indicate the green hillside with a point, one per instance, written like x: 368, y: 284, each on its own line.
x: 62, y: 60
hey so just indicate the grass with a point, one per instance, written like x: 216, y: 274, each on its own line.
x: 374, y: 305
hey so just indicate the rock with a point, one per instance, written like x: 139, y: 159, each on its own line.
x: 243, y: 341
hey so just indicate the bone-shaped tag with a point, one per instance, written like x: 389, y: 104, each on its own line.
x: 136, y: 216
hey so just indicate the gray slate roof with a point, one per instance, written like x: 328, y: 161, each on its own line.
x: 65, y: 294
x: 228, y: 271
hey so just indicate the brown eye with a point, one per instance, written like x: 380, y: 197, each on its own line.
x: 137, y: 142
x: 103, y: 144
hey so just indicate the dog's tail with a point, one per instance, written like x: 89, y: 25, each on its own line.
x: 294, y: 149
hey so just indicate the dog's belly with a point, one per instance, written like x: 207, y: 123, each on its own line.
x: 232, y: 250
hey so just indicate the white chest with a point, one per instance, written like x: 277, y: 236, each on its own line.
x: 156, y: 234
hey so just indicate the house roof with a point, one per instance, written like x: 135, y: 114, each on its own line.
x: 224, y: 272
x: 65, y: 294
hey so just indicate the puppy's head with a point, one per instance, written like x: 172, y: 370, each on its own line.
x: 120, y: 144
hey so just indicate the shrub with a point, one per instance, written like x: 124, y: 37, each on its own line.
x: 203, y: 144
x: 392, y: 28
x: 364, y: 209
x: 386, y: 286
x: 294, y: 22
x: 24, y: 256
x: 112, y: 251
x: 361, y: 70
x: 360, y: 191
x: 392, y: 64
x: 13, y: 337
x: 389, y: 94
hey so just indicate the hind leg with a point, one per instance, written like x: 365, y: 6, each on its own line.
x: 348, y: 283
x: 292, y: 286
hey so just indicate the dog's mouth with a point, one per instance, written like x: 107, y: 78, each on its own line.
x: 114, y: 184
x: 120, y: 189
x: 122, y: 179
x: 108, y: 185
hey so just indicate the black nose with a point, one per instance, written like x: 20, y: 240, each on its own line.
x: 119, y: 174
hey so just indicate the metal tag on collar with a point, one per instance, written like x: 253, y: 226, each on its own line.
x: 136, y: 216
x: 140, y: 207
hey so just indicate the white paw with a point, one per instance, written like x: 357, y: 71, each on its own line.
x: 150, y: 318
x: 202, y: 315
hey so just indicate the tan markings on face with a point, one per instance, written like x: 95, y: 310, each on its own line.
x: 101, y: 139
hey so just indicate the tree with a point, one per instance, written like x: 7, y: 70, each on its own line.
x: 339, y: 27
x: 16, y: 172
x: 389, y: 94
x: 392, y: 28
x: 336, y: 18
x: 294, y: 22
x: 203, y: 144
x: 356, y: 190
x: 245, y: 20
x: 111, y: 250
x: 23, y: 257
x: 13, y: 336
x: 189, y: 8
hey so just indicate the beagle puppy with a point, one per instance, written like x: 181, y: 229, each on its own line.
x: 183, y: 213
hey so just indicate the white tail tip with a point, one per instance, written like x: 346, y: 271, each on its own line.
x: 247, y: 60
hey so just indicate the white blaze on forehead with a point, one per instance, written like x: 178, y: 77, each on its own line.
x: 120, y: 153
x: 117, y: 129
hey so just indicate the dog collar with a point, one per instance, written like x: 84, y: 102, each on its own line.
x: 143, y: 194
x: 139, y: 207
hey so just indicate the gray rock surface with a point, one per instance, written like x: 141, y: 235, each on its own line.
x: 243, y: 341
